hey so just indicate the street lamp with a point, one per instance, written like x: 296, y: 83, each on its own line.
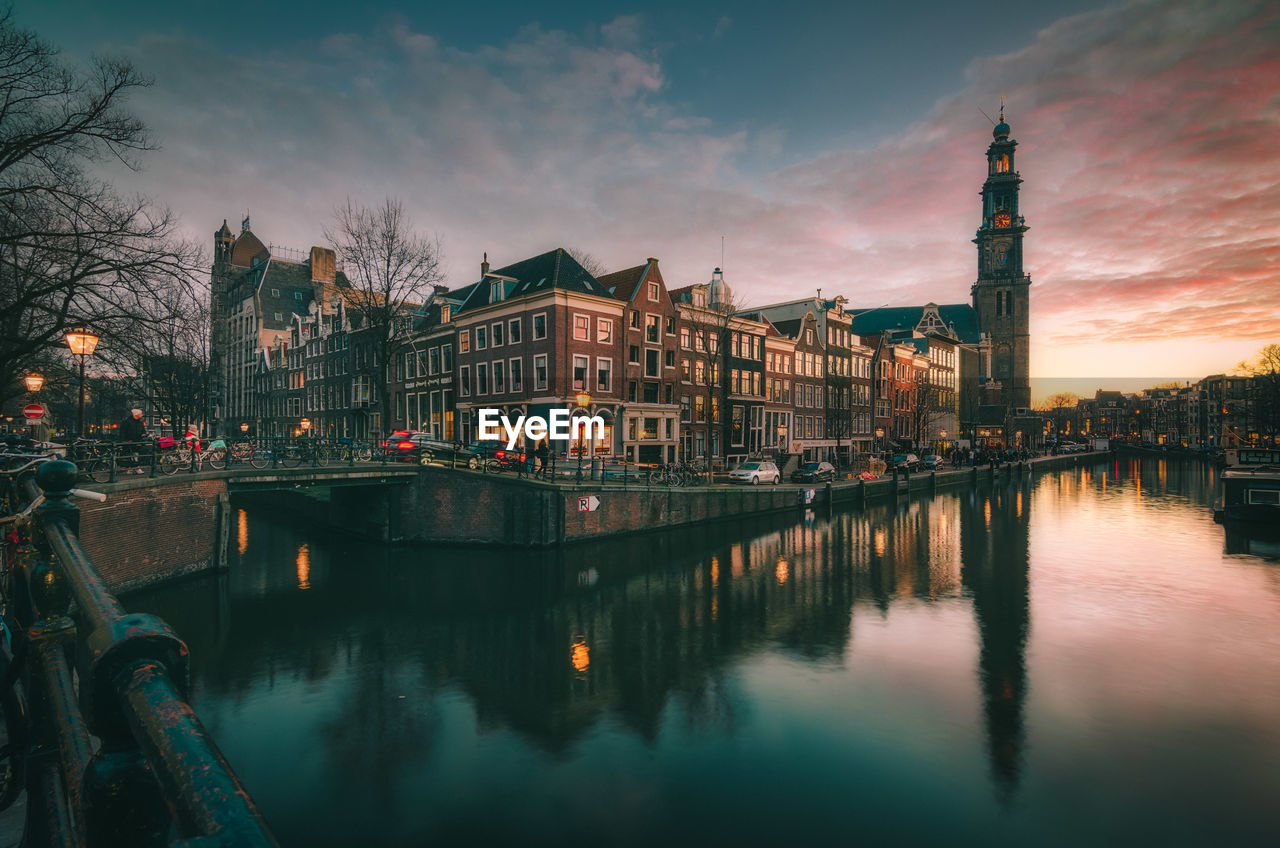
x: 583, y: 400
x: 33, y: 382
x: 879, y: 439
x: 305, y: 424
x: 244, y: 426
x: 82, y: 343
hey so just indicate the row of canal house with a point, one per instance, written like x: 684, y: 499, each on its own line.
x: 682, y: 373
x: 673, y: 374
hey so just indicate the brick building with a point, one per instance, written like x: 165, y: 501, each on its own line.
x: 647, y: 348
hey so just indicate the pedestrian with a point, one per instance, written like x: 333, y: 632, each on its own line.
x: 542, y: 455
x: 129, y: 435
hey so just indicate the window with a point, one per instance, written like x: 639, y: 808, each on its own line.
x: 446, y: 356
x: 700, y: 373
x: 635, y: 318
x: 650, y: 392
x: 684, y: 370
x: 604, y: 331
x: 671, y: 325
x: 482, y: 338
x: 540, y: 325
x: 651, y: 363
x: 297, y: 295
x: 464, y: 381
x: 278, y: 316
x: 604, y: 375
x: 433, y: 361
x: 499, y: 377
x: 517, y: 376
x: 482, y: 378
x: 653, y: 291
x: 652, y: 328
x: 497, y: 334
x: 495, y: 291
x: 633, y: 354
x: 699, y: 408
x: 513, y: 331
x: 684, y: 338
x: 540, y: 369
x: 670, y: 359
x: 684, y: 408
x: 581, y: 327
x: 275, y: 292
x: 580, y: 365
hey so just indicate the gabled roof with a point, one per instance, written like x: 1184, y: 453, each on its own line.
x: 961, y: 317
x: 555, y: 269
x: 624, y: 284
x: 246, y: 248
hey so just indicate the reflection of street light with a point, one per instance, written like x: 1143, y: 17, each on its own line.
x: 82, y: 343
x: 583, y: 400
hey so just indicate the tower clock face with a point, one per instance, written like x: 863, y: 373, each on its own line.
x: 1002, y: 219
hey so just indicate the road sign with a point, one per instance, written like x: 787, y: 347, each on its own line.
x: 33, y: 411
x: 588, y: 503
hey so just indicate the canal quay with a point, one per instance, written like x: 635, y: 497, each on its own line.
x: 1070, y: 657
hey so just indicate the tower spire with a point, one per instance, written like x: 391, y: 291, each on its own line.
x: 1002, y: 107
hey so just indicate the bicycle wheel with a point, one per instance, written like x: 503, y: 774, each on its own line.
x: 654, y: 477
x: 173, y: 461
x: 217, y: 458
x: 259, y: 459
x: 364, y: 454
x: 494, y: 466
x: 322, y: 455
x: 291, y: 457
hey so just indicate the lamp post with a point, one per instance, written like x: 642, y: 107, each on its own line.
x: 82, y: 343
x: 583, y: 400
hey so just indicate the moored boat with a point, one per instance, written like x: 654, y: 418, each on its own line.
x: 1250, y: 486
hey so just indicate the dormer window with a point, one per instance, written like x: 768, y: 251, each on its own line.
x: 495, y: 291
x: 444, y: 314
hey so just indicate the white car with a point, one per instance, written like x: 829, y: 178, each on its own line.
x: 756, y: 473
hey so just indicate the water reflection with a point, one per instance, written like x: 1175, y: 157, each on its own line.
x: 387, y: 691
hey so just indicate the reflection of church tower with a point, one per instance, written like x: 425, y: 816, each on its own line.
x: 994, y: 539
x: 1001, y: 292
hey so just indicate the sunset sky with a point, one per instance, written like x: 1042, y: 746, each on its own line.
x: 832, y: 145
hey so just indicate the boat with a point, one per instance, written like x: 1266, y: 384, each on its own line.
x: 1250, y: 487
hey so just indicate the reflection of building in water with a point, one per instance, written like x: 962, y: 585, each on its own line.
x: 994, y: 551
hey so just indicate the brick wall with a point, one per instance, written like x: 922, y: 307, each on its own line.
x: 146, y: 534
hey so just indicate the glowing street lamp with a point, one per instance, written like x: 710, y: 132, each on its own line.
x: 305, y: 424
x: 33, y: 382
x: 244, y: 426
x: 82, y: 343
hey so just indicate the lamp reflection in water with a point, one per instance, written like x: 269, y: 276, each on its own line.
x: 781, y: 571
x: 580, y: 655
x: 242, y: 531
x: 881, y: 541
x: 304, y: 567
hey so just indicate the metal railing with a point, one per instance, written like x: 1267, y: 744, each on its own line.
x: 101, y: 733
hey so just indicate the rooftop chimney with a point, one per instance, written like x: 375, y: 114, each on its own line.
x: 484, y: 264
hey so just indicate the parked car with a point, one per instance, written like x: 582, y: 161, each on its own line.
x: 907, y: 461
x: 813, y: 472
x: 932, y: 462
x: 417, y: 447
x: 756, y: 473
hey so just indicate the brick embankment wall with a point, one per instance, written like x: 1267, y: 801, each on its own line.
x: 149, y: 532
x: 635, y: 511
x: 458, y: 506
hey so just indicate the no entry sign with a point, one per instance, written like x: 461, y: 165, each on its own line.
x: 32, y: 411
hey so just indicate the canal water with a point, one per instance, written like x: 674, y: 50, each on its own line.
x: 1082, y: 657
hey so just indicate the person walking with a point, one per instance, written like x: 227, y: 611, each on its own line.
x: 131, y: 432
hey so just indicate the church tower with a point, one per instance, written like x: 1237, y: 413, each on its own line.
x: 1001, y: 292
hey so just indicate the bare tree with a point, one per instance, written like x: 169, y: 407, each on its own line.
x: 1263, y: 392
x: 710, y: 326
x: 589, y: 261
x: 72, y: 251
x: 390, y: 269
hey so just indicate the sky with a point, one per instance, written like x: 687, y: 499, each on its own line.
x: 838, y: 146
